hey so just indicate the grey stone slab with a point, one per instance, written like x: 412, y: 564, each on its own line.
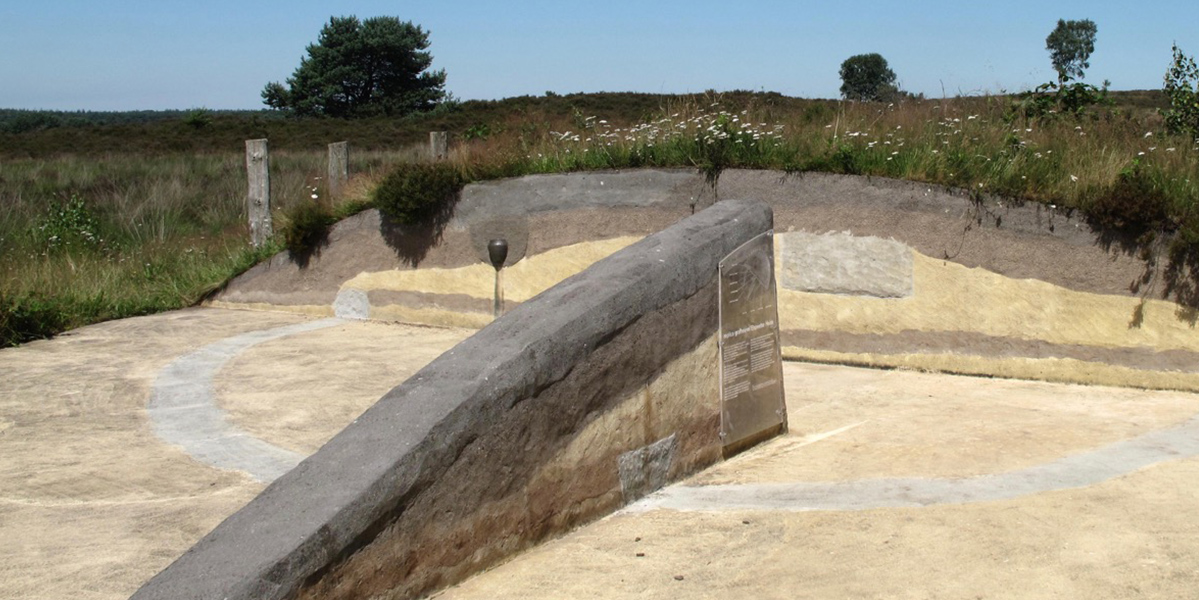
x: 839, y: 263
x: 338, y: 499
x: 646, y: 469
x: 352, y: 304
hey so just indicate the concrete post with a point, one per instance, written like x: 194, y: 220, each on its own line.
x: 339, y: 168
x: 258, y: 201
x: 439, y: 145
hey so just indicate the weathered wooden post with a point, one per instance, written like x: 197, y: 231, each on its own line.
x: 339, y: 168
x: 439, y: 144
x: 258, y: 202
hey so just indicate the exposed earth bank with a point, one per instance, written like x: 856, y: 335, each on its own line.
x: 871, y: 271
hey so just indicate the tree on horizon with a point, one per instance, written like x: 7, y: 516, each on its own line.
x: 867, y: 77
x: 1070, y: 45
x: 378, y: 66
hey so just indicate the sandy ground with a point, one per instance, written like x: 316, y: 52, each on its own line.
x: 296, y: 392
x: 1129, y: 536
x: 92, y: 503
x: 910, y: 424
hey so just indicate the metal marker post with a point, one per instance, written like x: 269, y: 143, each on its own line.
x: 497, y: 251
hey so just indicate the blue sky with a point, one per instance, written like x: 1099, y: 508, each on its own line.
x: 124, y: 55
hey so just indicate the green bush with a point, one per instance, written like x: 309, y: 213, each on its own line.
x: 198, y: 118
x: 413, y: 193
x: 27, y: 318
x: 307, y: 227
x: 68, y: 225
x: 1135, y: 203
x: 842, y: 158
x: 1182, y: 87
x: 478, y: 131
x: 1061, y: 98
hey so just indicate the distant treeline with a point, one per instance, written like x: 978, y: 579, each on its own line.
x: 34, y: 134
x: 23, y: 121
x: 38, y: 133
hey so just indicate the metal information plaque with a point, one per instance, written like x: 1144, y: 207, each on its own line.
x: 751, y: 373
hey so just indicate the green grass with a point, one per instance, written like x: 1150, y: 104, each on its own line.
x: 119, y: 216
x: 1114, y: 164
x: 86, y: 239
x: 71, y: 289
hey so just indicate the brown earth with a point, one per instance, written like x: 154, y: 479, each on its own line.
x: 1014, y: 240
x: 1027, y: 285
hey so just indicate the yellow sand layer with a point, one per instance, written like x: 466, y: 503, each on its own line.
x: 431, y: 316
x: 522, y: 281
x: 950, y: 297
x: 312, y: 310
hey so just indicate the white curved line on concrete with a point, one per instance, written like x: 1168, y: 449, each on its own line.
x: 183, y: 410
x: 1080, y: 470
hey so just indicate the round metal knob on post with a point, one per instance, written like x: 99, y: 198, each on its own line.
x: 497, y: 250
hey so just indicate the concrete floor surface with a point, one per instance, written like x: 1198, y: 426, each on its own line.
x: 890, y: 484
x: 1129, y: 535
x: 93, y: 503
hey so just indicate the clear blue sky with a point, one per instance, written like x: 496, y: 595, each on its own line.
x: 133, y: 54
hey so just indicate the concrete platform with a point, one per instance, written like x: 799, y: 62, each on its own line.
x: 898, y: 484
x: 891, y: 484
x: 93, y: 501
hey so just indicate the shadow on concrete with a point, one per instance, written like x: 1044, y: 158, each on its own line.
x: 1169, y: 265
x: 412, y: 241
x: 1182, y: 282
x: 303, y: 257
